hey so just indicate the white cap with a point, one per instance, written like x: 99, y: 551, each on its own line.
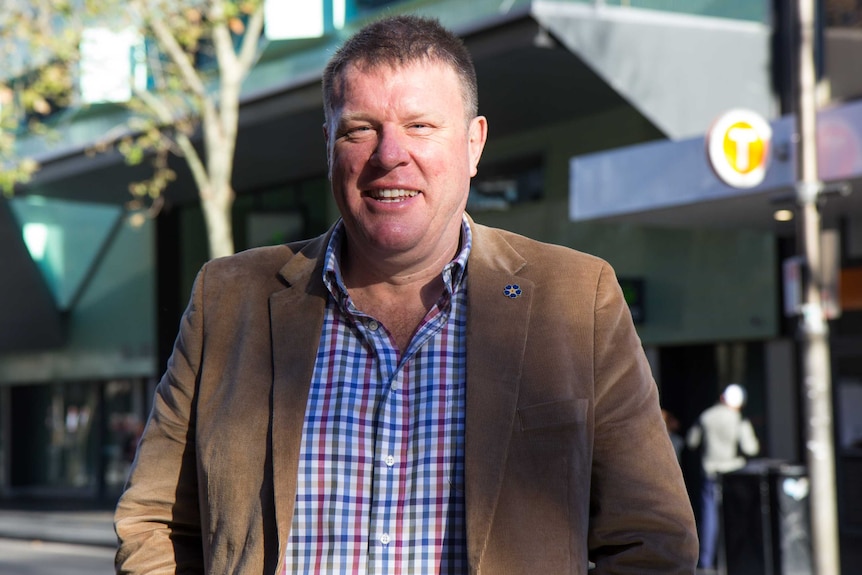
x: 734, y: 395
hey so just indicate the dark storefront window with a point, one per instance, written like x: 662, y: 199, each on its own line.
x: 72, y: 439
x: 124, y: 405
x: 52, y: 443
x: 503, y: 185
x: 843, y: 13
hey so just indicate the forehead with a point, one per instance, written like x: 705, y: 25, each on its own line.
x: 415, y: 72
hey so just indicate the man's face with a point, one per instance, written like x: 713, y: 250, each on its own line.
x: 401, y: 154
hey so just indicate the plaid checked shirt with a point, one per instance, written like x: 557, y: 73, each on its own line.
x: 381, y: 469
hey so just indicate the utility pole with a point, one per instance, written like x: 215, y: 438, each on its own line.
x: 814, y: 331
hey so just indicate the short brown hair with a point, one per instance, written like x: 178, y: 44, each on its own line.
x: 397, y: 41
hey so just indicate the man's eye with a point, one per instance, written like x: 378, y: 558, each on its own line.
x: 357, y: 131
x: 357, y: 134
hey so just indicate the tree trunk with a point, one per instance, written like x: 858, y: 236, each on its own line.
x: 218, y: 208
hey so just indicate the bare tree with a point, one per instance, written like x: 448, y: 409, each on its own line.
x: 197, y: 52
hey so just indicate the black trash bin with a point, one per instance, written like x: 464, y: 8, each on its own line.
x: 765, y: 520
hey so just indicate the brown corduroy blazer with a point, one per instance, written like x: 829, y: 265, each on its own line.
x: 567, y: 457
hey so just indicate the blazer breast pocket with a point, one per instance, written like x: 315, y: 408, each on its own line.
x: 554, y: 415
x: 554, y: 438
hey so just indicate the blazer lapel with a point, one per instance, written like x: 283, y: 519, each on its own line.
x: 296, y: 320
x: 498, y: 314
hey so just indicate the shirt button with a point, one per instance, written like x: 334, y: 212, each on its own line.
x: 390, y: 460
x: 385, y: 539
x: 394, y: 386
x: 373, y: 325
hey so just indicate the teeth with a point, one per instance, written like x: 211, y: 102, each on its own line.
x: 392, y: 195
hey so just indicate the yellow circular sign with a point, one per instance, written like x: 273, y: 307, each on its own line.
x: 738, y: 148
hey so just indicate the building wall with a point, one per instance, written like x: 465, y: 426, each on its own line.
x: 110, y: 331
x: 70, y: 416
x: 701, y: 285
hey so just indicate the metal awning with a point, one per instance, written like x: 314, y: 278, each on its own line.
x: 670, y: 183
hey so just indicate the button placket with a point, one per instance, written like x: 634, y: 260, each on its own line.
x: 388, y: 480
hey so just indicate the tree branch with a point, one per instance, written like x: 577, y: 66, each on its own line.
x: 222, y: 40
x: 196, y: 165
x: 176, y: 53
x: 249, y: 48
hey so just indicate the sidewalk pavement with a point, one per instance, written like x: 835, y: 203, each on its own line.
x: 82, y: 527
x: 75, y: 526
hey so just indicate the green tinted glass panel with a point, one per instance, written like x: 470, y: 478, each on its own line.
x: 64, y: 239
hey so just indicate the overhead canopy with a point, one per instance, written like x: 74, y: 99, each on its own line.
x: 670, y: 183
x: 30, y: 316
x: 538, y: 62
x: 679, y: 70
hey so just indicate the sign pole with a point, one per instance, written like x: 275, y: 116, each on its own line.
x: 814, y: 331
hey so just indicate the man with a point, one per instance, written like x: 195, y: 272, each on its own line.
x: 724, y: 433
x: 412, y: 392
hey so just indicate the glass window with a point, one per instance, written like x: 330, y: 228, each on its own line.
x: 502, y: 185
x: 73, y: 437
x: 112, y: 64
x: 843, y: 13
x: 64, y: 239
x: 53, y: 435
x: 124, y: 409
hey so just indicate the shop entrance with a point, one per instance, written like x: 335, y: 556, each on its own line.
x: 72, y: 440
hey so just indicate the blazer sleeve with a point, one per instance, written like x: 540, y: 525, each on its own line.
x: 641, y: 519
x: 157, y: 518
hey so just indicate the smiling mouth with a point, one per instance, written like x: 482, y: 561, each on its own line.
x: 392, y: 195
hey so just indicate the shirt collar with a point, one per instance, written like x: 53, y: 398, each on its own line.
x: 453, y: 273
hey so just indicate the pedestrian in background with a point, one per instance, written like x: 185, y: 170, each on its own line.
x: 725, y: 437
x: 411, y: 392
x: 672, y: 424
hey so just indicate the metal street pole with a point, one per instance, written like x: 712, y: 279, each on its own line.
x: 814, y: 331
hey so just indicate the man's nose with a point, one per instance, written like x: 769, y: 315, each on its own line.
x: 391, y: 150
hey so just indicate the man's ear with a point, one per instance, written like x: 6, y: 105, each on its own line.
x: 477, y: 136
